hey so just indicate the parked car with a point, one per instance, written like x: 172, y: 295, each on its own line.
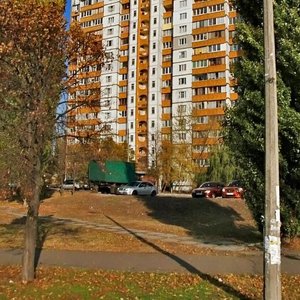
x: 210, y: 189
x: 69, y: 184
x: 233, y: 190
x: 138, y: 188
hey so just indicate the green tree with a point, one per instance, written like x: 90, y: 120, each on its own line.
x: 245, y: 122
x: 34, y: 47
x: 222, y: 165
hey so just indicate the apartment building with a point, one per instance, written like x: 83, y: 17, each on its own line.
x: 168, y: 77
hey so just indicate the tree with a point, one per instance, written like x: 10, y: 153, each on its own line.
x: 245, y: 122
x: 34, y: 47
x: 222, y: 165
x: 80, y: 154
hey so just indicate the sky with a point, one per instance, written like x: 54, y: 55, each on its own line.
x: 68, y: 10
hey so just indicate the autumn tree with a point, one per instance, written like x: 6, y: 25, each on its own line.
x: 34, y: 49
x: 80, y: 154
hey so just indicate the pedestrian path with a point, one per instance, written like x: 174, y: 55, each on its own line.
x: 221, y: 245
x: 160, y: 261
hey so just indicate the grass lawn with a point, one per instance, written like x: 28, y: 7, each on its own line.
x: 59, y: 283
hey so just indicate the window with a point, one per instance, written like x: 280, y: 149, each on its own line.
x: 182, y: 136
x: 155, y: 21
x: 182, y: 67
x: 167, y: 70
x: 200, y: 63
x: 182, y: 54
x: 109, y: 43
x: 214, y: 48
x: 182, y: 42
x: 110, y: 31
x: 183, y: 3
x: 122, y: 101
x: 133, y: 49
x: 153, y: 110
x: 200, y: 37
x: 183, y: 16
x: 167, y: 32
x: 167, y: 45
x: 182, y: 81
x: 153, y: 84
x: 123, y: 113
x: 182, y: 108
x: 182, y: 28
x: 111, y: 20
x: 152, y: 124
x: 167, y: 20
x: 182, y: 94
x: 108, y: 78
x: 167, y: 57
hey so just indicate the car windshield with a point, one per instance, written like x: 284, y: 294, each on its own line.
x: 208, y: 184
x: 135, y: 183
x: 234, y: 183
x: 68, y: 182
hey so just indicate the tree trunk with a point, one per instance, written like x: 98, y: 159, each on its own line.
x: 31, y: 227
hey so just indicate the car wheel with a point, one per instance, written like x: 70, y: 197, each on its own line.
x: 153, y: 194
x: 134, y: 193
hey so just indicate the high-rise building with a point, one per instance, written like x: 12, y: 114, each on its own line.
x: 168, y: 75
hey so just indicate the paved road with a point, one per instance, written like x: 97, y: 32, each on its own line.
x: 160, y: 261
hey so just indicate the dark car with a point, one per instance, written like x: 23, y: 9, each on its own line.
x: 233, y: 190
x: 210, y: 189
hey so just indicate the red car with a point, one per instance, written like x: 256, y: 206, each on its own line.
x: 233, y: 190
x: 208, y: 189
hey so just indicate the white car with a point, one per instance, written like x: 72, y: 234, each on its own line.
x: 138, y: 188
x: 69, y: 184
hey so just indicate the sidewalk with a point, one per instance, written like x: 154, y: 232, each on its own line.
x: 160, y: 261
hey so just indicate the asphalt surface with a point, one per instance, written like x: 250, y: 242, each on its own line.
x: 160, y: 261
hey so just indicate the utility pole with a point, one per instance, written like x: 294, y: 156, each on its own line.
x: 272, y: 253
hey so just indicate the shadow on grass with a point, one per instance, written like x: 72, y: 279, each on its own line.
x: 185, y: 264
x: 203, y: 218
x: 46, y: 225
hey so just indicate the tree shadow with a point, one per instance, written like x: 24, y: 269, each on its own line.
x: 190, y: 268
x: 46, y: 224
x: 204, y: 219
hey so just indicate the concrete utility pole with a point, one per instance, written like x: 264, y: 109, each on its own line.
x: 272, y: 253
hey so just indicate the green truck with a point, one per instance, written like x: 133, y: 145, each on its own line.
x: 110, y: 175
